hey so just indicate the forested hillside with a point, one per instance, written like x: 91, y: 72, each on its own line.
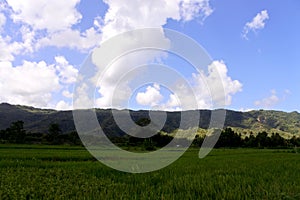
x: 38, y: 120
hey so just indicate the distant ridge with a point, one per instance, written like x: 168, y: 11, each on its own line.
x: 38, y: 120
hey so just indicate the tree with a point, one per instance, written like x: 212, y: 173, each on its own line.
x: 54, y: 132
x: 229, y: 138
x: 277, y: 141
x: 262, y: 139
x: 148, y: 144
x: 16, y: 133
x: 250, y: 141
x: 294, y: 141
x: 2, y: 135
x: 161, y: 140
x: 198, y: 141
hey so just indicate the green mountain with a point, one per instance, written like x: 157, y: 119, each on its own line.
x: 38, y: 120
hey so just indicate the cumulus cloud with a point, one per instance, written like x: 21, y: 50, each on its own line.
x: 140, y: 14
x: 42, y: 28
x: 62, y: 105
x: 215, y: 86
x: 173, y: 102
x: 257, y: 23
x: 203, y: 85
x: 83, y: 99
x: 137, y: 14
x: 112, y: 97
x: 121, y: 18
x: 34, y: 83
x: 66, y: 72
x: 31, y: 83
x: 154, y: 98
x: 10, y: 48
x: 52, y: 16
x: 151, y: 97
x: 230, y: 87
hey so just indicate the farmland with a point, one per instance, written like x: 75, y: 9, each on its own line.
x: 64, y: 172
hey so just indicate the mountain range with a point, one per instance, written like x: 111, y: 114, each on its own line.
x: 37, y: 120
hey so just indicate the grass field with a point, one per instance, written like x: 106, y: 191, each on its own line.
x: 60, y: 172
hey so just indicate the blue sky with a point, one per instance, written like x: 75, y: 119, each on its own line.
x: 254, y: 44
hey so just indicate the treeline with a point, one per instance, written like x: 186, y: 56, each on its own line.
x: 229, y: 138
x: 18, y: 135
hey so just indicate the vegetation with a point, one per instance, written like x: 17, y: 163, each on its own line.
x: 38, y: 120
x: 228, y: 138
x: 50, y: 163
x: 64, y: 172
x: 16, y: 134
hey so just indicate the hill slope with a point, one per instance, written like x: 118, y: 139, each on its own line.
x: 38, y: 120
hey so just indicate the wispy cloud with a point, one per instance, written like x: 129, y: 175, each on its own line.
x: 272, y: 100
x: 257, y: 23
x: 269, y: 101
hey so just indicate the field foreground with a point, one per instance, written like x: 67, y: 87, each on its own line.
x: 61, y: 172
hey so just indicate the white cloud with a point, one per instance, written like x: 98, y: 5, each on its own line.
x: 30, y: 84
x: 137, y: 14
x: 82, y: 99
x: 35, y: 83
x: 212, y: 89
x: 112, y: 97
x: 10, y: 48
x: 257, y: 23
x: 173, y: 101
x: 190, y: 9
x: 151, y: 97
x: 273, y: 99
x: 98, y: 22
x: 45, y: 24
x: 6, y: 53
x: 144, y: 13
x: 246, y: 109
x: 2, y: 21
x: 42, y: 14
x: 113, y: 84
x: 216, y: 81
x: 218, y: 68
x: 207, y: 84
x: 173, y: 104
x: 67, y: 94
x: 62, y: 105
x: 268, y: 102
x: 66, y: 72
x: 72, y: 38
x: 28, y: 39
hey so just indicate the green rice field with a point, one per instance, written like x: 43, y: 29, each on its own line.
x: 64, y: 172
